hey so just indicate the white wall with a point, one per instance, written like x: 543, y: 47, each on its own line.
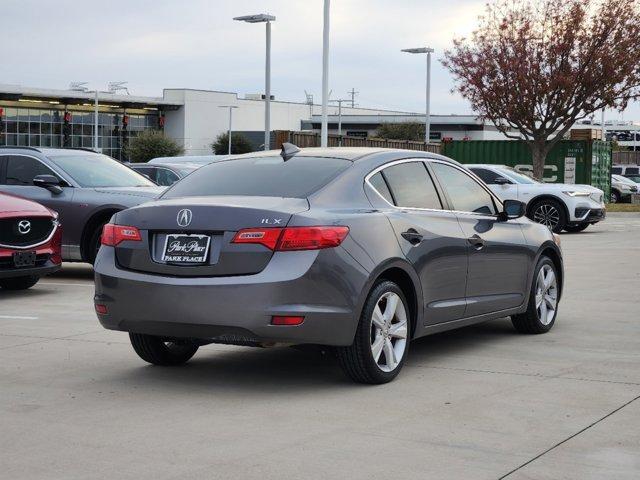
x: 201, y: 119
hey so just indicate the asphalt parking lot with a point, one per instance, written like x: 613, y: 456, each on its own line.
x: 478, y: 403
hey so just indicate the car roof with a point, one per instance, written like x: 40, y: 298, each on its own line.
x: 49, y: 150
x: 485, y: 165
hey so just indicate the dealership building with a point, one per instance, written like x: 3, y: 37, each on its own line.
x: 194, y: 118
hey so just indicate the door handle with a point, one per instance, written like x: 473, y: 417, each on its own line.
x: 476, y: 241
x: 412, y: 236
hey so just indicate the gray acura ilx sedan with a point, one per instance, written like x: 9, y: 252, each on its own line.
x: 359, y: 249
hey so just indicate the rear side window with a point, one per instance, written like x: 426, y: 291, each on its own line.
x: 632, y: 171
x: 616, y: 170
x: 260, y: 176
x: 378, y: 182
x: 412, y: 186
x: 465, y: 193
x: 488, y: 176
x: 22, y: 170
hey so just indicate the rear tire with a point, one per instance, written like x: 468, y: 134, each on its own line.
x: 19, y: 283
x: 576, y: 228
x: 157, y: 351
x: 542, y: 309
x: 381, y: 343
x: 550, y: 213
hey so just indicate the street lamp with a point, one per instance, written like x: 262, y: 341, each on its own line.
x: 264, y: 18
x: 230, y: 107
x: 427, y: 120
x: 324, y: 131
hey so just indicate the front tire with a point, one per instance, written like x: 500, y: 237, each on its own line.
x: 615, y: 197
x: 542, y: 309
x: 158, y: 351
x: 381, y: 343
x: 549, y: 213
x: 576, y: 228
x: 19, y: 283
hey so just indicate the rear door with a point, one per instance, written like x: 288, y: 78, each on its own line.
x: 429, y: 236
x: 498, y: 253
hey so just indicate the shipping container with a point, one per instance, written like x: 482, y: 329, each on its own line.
x: 570, y: 161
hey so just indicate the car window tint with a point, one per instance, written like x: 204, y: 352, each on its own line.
x: 632, y: 171
x: 487, y: 176
x: 269, y: 176
x: 377, y: 182
x: 616, y: 170
x: 412, y: 186
x: 465, y: 193
x: 22, y: 170
x: 166, y: 177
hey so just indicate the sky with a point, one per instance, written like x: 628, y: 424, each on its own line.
x: 156, y: 44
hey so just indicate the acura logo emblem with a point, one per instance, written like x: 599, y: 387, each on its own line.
x: 184, y: 217
x: 24, y: 226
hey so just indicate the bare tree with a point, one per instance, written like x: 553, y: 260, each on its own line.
x: 535, y: 67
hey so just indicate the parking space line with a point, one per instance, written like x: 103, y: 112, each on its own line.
x: 570, y: 437
x: 17, y: 317
x: 68, y: 284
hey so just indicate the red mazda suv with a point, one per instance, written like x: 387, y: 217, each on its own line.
x: 30, y: 242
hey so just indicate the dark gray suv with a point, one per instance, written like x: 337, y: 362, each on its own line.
x: 84, y: 187
x: 359, y: 249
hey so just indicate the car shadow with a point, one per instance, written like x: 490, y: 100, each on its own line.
x: 74, y: 271
x: 291, y: 369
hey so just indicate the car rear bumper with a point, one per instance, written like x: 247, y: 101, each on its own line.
x: 238, y: 309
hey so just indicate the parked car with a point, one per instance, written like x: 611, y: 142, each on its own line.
x: 626, y: 170
x: 193, y: 159
x: 84, y: 187
x: 559, y: 206
x: 622, y: 188
x: 30, y: 242
x: 165, y: 174
x: 359, y: 249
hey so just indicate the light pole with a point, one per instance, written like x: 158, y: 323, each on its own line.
x: 264, y: 18
x: 230, y: 107
x: 339, y: 102
x: 427, y: 120
x: 324, y: 133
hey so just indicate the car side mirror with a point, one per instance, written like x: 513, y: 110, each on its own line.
x: 501, y: 181
x: 512, y: 209
x: 50, y: 182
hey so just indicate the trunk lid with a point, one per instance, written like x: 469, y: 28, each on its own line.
x: 215, y: 217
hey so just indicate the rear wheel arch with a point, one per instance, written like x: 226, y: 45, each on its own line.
x: 403, y: 275
x: 97, y: 219
x: 551, y: 252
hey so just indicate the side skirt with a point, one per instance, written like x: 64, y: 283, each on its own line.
x: 465, y: 322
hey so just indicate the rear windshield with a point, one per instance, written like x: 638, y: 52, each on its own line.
x: 260, y: 176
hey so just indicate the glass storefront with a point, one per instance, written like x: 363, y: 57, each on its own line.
x: 42, y: 127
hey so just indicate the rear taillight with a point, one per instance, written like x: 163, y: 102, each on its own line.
x: 113, y: 235
x: 293, y: 238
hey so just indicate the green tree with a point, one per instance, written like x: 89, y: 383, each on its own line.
x: 151, y: 144
x: 239, y: 144
x: 402, y: 131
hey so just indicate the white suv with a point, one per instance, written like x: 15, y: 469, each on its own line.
x: 559, y: 206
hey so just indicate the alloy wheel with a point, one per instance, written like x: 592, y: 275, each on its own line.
x: 389, y: 331
x: 546, y: 294
x: 548, y: 215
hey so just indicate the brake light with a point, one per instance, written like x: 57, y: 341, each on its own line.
x: 113, y: 235
x: 293, y: 238
x: 311, y: 238
x: 262, y: 236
